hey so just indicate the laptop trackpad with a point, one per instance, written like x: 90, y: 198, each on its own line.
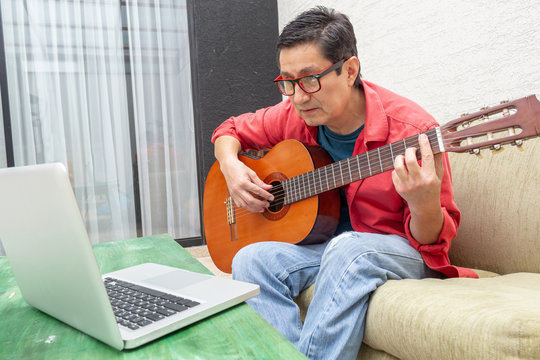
x: 175, y: 280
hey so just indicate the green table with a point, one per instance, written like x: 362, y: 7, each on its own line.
x: 237, y: 333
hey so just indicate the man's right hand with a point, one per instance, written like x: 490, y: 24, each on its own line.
x: 245, y: 187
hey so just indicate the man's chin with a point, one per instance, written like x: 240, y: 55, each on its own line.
x: 311, y: 118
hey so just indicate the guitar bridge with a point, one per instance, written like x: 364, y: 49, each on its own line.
x: 231, y: 212
x: 231, y: 218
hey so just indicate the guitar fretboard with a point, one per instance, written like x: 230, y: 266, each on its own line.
x: 352, y: 169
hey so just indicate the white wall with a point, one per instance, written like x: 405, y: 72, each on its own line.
x: 450, y: 57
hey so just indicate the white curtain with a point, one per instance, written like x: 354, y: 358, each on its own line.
x: 69, y: 80
x: 161, y: 79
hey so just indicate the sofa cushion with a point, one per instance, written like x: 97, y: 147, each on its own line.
x: 499, y: 201
x: 304, y: 299
x: 488, y: 318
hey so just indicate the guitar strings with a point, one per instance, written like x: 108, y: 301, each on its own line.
x: 300, y: 190
x: 303, y: 190
x: 279, y: 195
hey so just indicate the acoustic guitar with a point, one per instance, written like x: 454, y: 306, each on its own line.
x: 305, y: 181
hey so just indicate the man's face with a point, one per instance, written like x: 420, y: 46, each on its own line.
x: 326, y: 106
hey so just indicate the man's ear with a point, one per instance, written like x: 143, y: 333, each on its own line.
x: 352, y: 67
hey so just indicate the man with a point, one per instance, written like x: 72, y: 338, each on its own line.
x: 393, y: 225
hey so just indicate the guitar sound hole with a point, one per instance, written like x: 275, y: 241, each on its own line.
x: 279, y: 197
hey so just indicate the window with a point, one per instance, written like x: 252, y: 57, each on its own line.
x: 104, y: 87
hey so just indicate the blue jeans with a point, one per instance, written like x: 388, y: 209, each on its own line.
x: 347, y: 269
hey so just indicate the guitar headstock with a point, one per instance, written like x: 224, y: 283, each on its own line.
x: 511, y: 122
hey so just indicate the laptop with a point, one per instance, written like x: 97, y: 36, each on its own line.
x: 47, y: 245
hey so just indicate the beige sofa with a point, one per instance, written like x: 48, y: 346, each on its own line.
x: 494, y: 317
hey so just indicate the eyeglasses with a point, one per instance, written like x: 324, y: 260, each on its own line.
x: 310, y: 83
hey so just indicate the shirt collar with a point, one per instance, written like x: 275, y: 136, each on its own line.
x: 376, y: 125
x: 376, y: 128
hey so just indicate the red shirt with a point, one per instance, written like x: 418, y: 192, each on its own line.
x: 374, y: 204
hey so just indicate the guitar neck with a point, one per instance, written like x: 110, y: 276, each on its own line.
x: 355, y: 168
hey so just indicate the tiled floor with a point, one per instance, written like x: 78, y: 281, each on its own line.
x: 202, y: 254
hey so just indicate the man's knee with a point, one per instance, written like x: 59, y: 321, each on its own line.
x: 243, y: 261
x: 252, y: 259
x: 350, y: 246
x: 347, y: 243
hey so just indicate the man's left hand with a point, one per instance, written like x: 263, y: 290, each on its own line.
x: 420, y: 186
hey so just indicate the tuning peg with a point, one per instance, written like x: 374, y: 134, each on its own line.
x: 464, y: 114
x: 518, y: 144
x: 504, y: 101
x: 475, y: 151
x: 497, y: 148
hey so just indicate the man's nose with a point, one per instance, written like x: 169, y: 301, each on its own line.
x: 300, y: 96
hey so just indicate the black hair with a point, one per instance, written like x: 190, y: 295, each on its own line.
x: 330, y: 30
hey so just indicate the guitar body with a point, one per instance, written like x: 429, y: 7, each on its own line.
x: 228, y: 228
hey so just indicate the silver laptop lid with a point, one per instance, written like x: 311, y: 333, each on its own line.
x: 49, y: 251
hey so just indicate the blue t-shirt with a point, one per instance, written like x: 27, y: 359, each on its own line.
x: 339, y: 147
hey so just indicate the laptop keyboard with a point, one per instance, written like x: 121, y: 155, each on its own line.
x: 136, y: 306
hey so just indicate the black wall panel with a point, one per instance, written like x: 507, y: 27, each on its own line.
x: 233, y: 64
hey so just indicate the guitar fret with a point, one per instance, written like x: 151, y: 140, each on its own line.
x: 440, y: 144
x: 293, y: 199
x: 359, y: 167
x: 340, y: 172
x: 296, y: 197
x: 296, y: 189
x: 302, y: 193
x: 326, y: 174
x: 292, y: 190
x: 299, y: 188
x: 350, y: 172
x: 307, y: 186
x: 286, y: 198
x: 314, y: 185
x: 368, y: 163
x: 303, y: 187
x: 333, y: 175
x: 284, y: 187
x: 317, y: 182
x: 380, y: 161
x: 317, y: 188
x: 288, y: 192
x: 329, y: 176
